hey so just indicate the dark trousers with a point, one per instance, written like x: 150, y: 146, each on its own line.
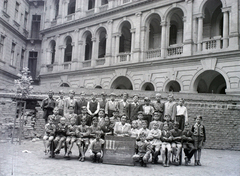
x: 181, y: 120
x: 189, y: 152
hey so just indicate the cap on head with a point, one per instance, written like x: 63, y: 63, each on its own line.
x: 140, y: 112
x: 113, y: 94
x: 158, y: 95
x: 170, y: 95
x: 71, y: 92
x: 50, y: 91
x: 146, y: 99
x: 103, y: 94
x: 84, y: 108
x: 83, y: 93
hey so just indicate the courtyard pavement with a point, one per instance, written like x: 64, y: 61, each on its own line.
x: 28, y: 159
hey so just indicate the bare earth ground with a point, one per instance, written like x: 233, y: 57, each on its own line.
x: 13, y: 161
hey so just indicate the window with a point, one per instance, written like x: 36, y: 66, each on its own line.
x: 104, y: 2
x: 68, y: 50
x: 1, y: 46
x: 56, y: 8
x: 12, y: 54
x: 32, y: 63
x: 91, y: 4
x: 71, y: 7
x: 25, y: 19
x: 53, y: 52
x: 22, y: 59
x: 16, y: 10
x: 36, y: 19
x: 5, y: 5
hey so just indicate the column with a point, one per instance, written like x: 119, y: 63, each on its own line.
x: 94, y: 52
x: 109, y: 48
x: 143, y: 43
x: 200, y: 33
x: 61, y: 58
x: 195, y: 33
x: 132, y: 40
x: 97, y: 4
x: 57, y: 52
x: 74, y: 45
x: 117, y: 40
x: 60, y: 12
x: 137, y: 45
x: 163, y: 39
x: 48, y: 56
x: 79, y: 54
x: 225, y: 29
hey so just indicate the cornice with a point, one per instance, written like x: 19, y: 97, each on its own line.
x: 149, y: 63
x: 9, y: 74
x: 15, y: 31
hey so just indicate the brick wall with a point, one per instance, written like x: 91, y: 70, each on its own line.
x: 220, y: 117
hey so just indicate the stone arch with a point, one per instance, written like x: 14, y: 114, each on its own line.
x: 216, y: 80
x: 172, y: 86
x: 122, y: 82
x: 64, y: 84
x: 169, y: 12
x: 101, y: 40
x: 204, y: 3
x: 66, y: 37
x: 125, y: 41
x: 121, y: 23
x: 98, y: 87
x: 148, y: 86
x: 149, y: 15
x: 85, y: 33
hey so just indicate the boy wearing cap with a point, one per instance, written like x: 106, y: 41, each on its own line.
x: 142, y: 150
x: 139, y: 119
x: 155, y: 120
x: 48, y: 105
x: 69, y: 101
x: 148, y: 110
x: 111, y: 105
x: 84, y: 115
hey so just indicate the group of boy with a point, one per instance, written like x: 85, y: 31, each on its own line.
x: 159, y: 128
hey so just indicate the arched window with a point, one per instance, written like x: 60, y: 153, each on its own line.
x: 102, y: 44
x: 88, y: 47
x: 64, y: 85
x: 173, y: 35
x: 68, y: 50
x: 56, y: 8
x: 148, y: 87
x: 154, y: 40
x: 173, y: 86
x: 126, y: 38
x: 122, y: 82
x: 53, y: 51
x: 71, y: 7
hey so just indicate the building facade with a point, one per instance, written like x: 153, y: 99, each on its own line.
x: 176, y: 45
x: 20, y: 40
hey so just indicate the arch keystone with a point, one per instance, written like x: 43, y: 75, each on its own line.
x: 209, y: 64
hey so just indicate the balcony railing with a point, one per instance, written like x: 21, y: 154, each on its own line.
x: 66, y: 66
x: 90, y: 12
x: 175, y: 50
x: 86, y: 63
x: 123, y: 57
x: 212, y: 44
x: 100, y: 61
x: 153, y: 53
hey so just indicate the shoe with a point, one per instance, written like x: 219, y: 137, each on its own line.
x: 82, y: 159
x: 167, y: 165
x: 195, y: 163
x: 144, y: 165
x: 164, y: 165
x: 198, y: 163
x: 186, y: 161
x: 57, y: 151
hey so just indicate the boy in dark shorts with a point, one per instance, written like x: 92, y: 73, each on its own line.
x: 199, y: 137
x: 71, y: 135
x: 48, y: 137
x: 176, y: 141
x: 60, y: 135
x: 166, y: 139
x: 82, y: 133
x: 143, y: 150
x: 187, y: 143
x: 96, y: 148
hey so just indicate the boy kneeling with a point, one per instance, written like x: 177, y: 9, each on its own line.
x: 143, y: 150
x: 96, y: 148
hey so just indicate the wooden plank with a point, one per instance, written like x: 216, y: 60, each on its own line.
x: 119, y: 150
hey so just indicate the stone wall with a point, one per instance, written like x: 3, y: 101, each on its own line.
x: 221, y: 117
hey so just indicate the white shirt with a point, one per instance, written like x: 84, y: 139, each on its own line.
x: 182, y: 110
